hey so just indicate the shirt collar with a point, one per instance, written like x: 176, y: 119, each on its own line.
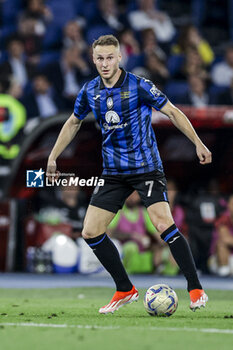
x: 118, y: 83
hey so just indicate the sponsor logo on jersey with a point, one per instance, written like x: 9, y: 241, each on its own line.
x: 111, y: 127
x: 112, y: 117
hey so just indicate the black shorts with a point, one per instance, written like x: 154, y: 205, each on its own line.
x: 152, y: 188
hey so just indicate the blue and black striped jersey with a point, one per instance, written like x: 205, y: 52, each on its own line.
x: 124, y: 115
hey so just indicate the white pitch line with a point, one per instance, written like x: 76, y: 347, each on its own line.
x: 49, y: 325
x: 172, y: 329
x: 187, y: 329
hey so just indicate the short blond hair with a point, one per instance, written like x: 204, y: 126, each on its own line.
x: 106, y: 40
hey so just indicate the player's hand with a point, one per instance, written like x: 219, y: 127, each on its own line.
x: 204, y: 155
x: 51, y: 171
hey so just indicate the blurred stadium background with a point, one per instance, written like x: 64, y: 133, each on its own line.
x: 186, y: 49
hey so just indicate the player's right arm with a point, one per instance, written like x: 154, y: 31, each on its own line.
x: 69, y: 130
x: 67, y: 133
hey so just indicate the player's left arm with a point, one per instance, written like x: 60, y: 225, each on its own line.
x: 180, y: 120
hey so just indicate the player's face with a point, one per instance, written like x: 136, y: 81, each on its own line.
x: 106, y: 59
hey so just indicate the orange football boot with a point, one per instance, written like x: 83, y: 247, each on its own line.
x: 120, y: 299
x: 198, y: 299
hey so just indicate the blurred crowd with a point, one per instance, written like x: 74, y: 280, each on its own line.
x: 45, y: 48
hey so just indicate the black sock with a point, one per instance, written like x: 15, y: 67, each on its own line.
x: 108, y: 255
x: 183, y: 256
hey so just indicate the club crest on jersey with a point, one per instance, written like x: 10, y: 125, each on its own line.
x: 109, y: 102
x: 112, y: 117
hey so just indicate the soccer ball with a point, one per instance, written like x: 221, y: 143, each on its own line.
x: 160, y: 300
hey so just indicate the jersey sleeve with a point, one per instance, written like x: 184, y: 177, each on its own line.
x: 81, y: 106
x: 152, y: 96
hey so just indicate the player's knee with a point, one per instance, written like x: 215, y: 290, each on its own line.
x: 161, y: 227
x: 86, y: 234
x: 163, y: 223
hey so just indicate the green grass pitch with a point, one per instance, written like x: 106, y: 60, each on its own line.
x: 68, y: 319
